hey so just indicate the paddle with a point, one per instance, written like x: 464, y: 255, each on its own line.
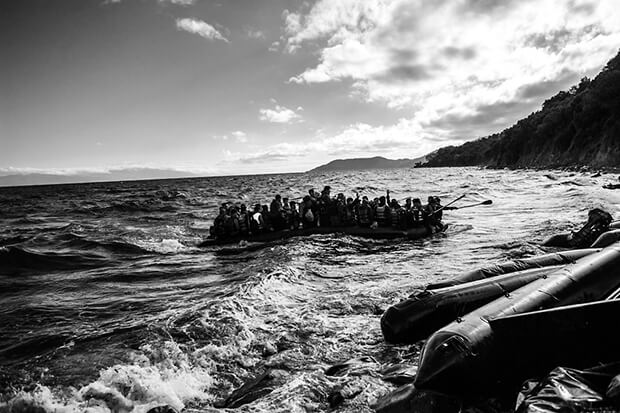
x: 448, y: 204
x: 487, y: 202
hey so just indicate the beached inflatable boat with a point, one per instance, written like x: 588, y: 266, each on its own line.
x: 376, y: 233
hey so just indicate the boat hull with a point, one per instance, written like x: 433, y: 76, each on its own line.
x: 378, y: 233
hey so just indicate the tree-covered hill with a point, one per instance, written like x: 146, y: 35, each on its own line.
x: 580, y: 126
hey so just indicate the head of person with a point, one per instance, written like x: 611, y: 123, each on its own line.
x: 408, y: 201
x: 285, y: 200
x: 278, y: 197
x: 349, y: 200
x: 243, y: 208
x: 223, y: 210
x: 265, y: 209
x: 307, y: 200
x: 311, y: 192
x: 417, y: 202
x: 257, y: 208
x: 431, y: 199
x: 437, y: 200
x: 394, y: 203
x: 365, y: 200
x: 381, y: 200
x: 326, y: 190
x: 293, y: 204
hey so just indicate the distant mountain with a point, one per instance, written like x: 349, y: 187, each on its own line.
x: 580, y: 126
x: 126, y: 174
x: 378, y: 162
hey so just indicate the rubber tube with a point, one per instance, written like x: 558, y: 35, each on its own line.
x: 466, y: 355
x: 418, y: 316
x: 546, y: 260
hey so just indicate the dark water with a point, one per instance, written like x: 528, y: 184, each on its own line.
x: 103, y: 290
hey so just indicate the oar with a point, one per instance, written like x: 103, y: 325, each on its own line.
x: 448, y: 204
x: 487, y: 202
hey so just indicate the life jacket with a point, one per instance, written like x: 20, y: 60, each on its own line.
x: 308, y: 216
x: 229, y: 227
x: 220, y: 227
x: 363, y: 214
x: 380, y: 213
x: 395, y: 217
x: 243, y: 222
x: 256, y: 219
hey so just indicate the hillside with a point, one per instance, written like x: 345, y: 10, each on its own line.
x: 580, y: 126
x: 376, y: 162
x: 126, y: 174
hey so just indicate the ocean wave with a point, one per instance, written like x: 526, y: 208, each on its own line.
x: 161, y: 375
x: 128, y: 207
x: 78, y: 242
x: 14, y: 260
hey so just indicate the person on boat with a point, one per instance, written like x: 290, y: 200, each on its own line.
x: 598, y: 222
x: 433, y: 215
x: 308, y: 216
x: 220, y: 224
x: 408, y: 214
x: 438, y: 208
x: 313, y: 195
x: 244, y: 220
x: 397, y: 215
x: 417, y: 210
x: 233, y: 222
x: 365, y: 213
x: 257, y: 225
x: 408, y: 204
x: 324, y: 204
x: 285, y: 213
x: 349, y: 211
x: 382, y: 213
x: 267, y: 222
x: 338, y: 211
x: 275, y: 210
x: 295, y: 217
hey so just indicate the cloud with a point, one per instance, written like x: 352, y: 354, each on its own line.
x: 279, y: 114
x: 237, y: 135
x: 240, y: 136
x: 405, y: 138
x: 454, y: 64
x: 200, y: 28
x: 274, y: 47
x: 254, y: 33
x: 179, y: 2
x: 175, y: 2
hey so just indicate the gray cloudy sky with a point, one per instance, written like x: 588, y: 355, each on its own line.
x: 235, y: 87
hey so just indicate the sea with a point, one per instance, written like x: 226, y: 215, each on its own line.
x: 108, y: 304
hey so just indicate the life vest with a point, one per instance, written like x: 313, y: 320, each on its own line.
x: 243, y: 222
x: 396, y: 217
x: 363, y: 214
x: 415, y: 212
x: 380, y: 213
x: 256, y: 218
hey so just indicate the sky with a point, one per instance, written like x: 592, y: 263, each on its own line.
x: 259, y: 86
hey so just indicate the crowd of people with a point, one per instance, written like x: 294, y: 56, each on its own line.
x: 323, y: 210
